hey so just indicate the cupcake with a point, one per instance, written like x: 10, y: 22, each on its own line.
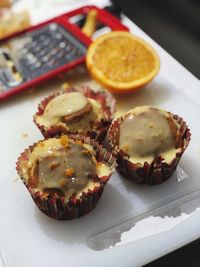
x: 65, y: 176
x: 149, y: 143
x: 76, y: 110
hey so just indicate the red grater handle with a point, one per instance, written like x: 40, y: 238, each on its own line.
x: 103, y: 16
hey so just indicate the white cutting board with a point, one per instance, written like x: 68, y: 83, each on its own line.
x: 132, y: 224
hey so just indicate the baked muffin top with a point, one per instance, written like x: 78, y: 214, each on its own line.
x: 146, y: 132
x: 63, y: 166
x: 73, y: 111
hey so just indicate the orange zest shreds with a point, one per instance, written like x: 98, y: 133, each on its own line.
x: 69, y: 172
x: 79, y: 142
x: 53, y: 165
x: 41, y: 144
x: 62, y: 182
x: 64, y: 140
x: 85, y: 152
x: 45, y: 195
x: 121, y: 61
x: 98, y: 164
x: 125, y: 148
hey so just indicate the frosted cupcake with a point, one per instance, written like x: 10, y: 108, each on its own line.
x: 79, y: 110
x: 149, y: 142
x: 65, y: 176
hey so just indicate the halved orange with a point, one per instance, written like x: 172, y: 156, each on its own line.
x: 121, y: 61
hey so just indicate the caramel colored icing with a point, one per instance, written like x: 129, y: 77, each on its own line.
x: 64, y: 105
x: 62, y: 166
x: 146, y: 132
x: 73, y: 111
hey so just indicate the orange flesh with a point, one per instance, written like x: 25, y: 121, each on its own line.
x: 122, y: 62
x: 134, y: 62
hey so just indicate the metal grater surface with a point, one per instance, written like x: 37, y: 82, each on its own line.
x: 36, y: 53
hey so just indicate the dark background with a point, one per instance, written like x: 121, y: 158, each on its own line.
x: 175, y: 26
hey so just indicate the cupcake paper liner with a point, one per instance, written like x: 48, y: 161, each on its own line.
x: 58, y: 207
x: 106, y: 100
x: 152, y: 173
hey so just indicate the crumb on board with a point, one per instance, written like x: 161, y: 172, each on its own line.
x: 24, y: 135
x: 16, y: 179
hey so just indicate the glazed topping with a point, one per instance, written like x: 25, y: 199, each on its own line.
x: 146, y: 132
x: 71, y: 112
x: 61, y: 165
x: 64, y: 105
